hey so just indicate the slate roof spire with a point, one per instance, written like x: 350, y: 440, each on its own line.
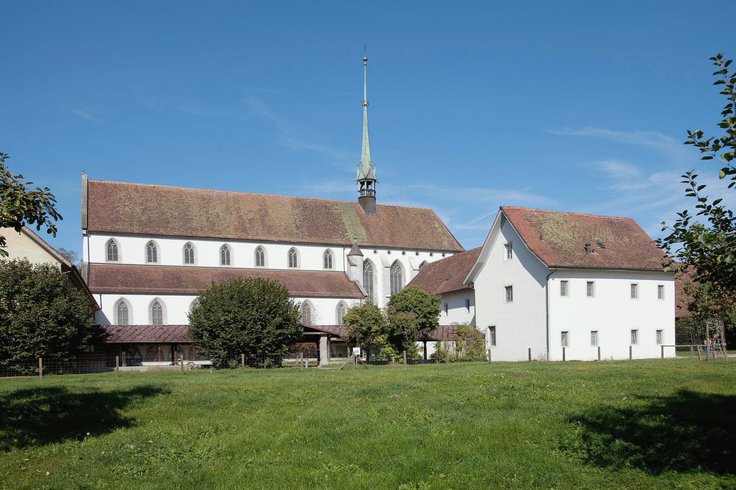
x: 366, y: 169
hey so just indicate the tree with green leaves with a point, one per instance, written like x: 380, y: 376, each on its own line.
x: 706, y: 241
x: 40, y: 314
x: 367, y: 326
x: 251, y: 316
x: 412, y: 314
x: 22, y: 205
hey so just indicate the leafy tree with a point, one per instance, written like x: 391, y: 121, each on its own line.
x: 250, y: 316
x: 40, y: 315
x: 469, y: 345
x: 367, y: 326
x: 20, y: 205
x: 412, y: 314
x: 707, y: 240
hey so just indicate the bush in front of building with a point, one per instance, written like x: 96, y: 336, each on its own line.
x: 469, y: 345
x: 41, y: 315
x: 251, y: 316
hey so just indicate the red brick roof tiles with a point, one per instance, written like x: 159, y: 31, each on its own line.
x: 559, y: 239
x: 156, y: 210
x: 146, y: 334
x: 152, y: 279
x: 446, y: 275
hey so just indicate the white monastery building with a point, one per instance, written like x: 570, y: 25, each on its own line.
x: 150, y: 249
x: 554, y: 285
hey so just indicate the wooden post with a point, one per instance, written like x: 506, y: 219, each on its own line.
x: 631, y: 352
x: 530, y: 354
x: 405, y: 358
x: 662, y: 348
x: 117, y: 366
x: 563, y: 354
x: 489, y: 356
x: 242, y: 361
x: 40, y: 369
x: 181, y: 361
x: 599, y: 352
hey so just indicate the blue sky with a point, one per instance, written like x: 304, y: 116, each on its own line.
x: 577, y: 106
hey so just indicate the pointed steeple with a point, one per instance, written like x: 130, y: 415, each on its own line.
x: 366, y: 169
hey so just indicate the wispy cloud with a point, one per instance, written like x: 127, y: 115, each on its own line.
x: 619, y: 169
x: 289, y: 133
x: 84, y: 113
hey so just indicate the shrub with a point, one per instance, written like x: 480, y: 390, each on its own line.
x: 250, y: 316
x: 367, y: 326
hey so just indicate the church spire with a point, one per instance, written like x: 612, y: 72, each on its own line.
x: 366, y: 169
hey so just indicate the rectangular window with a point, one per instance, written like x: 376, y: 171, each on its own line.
x: 563, y: 288
x: 509, y: 294
x: 492, y: 335
x: 467, y: 305
x: 446, y: 308
x: 634, y: 290
x: 590, y: 287
x: 508, y: 252
x: 563, y: 339
x: 659, y: 337
x: 634, y: 337
x: 594, y: 338
x: 660, y: 291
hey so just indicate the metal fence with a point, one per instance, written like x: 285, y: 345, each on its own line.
x: 41, y: 367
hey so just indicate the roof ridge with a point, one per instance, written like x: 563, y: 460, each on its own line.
x: 577, y: 213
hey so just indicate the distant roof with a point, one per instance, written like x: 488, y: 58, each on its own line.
x: 446, y: 275
x: 558, y: 239
x: 156, y: 210
x: 153, y: 279
x: 146, y: 334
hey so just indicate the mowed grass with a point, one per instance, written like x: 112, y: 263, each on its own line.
x: 641, y: 424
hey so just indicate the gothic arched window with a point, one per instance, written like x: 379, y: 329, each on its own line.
x: 306, y: 313
x: 112, y: 251
x: 260, y: 257
x: 327, y: 259
x: 151, y: 252
x: 189, y: 253
x: 397, y: 278
x: 224, y: 255
x: 342, y: 309
x: 121, y: 313
x: 293, y: 259
x: 157, y: 313
x: 368, y: 280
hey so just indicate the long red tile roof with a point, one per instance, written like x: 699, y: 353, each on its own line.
x: 156, y: 210
x: 152, y: 279
x: 446, y: 275
x: 559, y: 238
x: 146, y: 334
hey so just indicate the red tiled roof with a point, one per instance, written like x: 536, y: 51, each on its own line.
x: 443, y: 332
x: 446, y: 275
x: 156, y: 210
x: 146, y: 334
x: 559, y: 239
x: 152, y: 279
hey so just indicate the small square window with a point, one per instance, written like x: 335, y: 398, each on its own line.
x: 659, y: 337
x: 508, y: 251
x: 563, y: 339
x: 509, y: 294
x: 563, y: 288
x: 590, y: 289
x: 660, y: 291
x: 634, y: 290
x: 593, y: 338
x: 634, y: 337
x: 492, y: 335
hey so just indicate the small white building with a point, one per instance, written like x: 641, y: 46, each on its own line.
x: 549, y: 285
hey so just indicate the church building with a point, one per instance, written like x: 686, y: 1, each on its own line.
x: 149, y: 250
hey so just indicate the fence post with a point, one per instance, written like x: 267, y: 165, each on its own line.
x: 662, y: 348
x: 631, y: 352
x: 181, y: 362
x: 242, y: 361
x: 489, y: 356
x: 564, y: 358
x: 599, y: 352
x: 405, y: 358
x: 117, y: 366
x: 40, y: 368
x: 530, y: 354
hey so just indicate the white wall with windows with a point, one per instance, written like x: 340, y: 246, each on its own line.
x: 458, y: 307
x: 612, y: 313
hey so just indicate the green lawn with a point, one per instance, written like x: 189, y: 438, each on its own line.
x: 641, y: 424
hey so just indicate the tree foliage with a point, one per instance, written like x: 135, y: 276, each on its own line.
x: 470, y: 345
x: 22, y: 205
x: 250, y: 316
x: 40, y: 314
x: 707, y: 239
x: 367, y: 326
x: 412, y: 314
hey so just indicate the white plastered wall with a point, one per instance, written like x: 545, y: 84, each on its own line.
x: 454, y: 309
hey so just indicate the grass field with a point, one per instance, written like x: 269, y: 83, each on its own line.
x: 641, y: 424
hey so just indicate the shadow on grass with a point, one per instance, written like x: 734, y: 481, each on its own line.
x: 688, y: 431
x: 44, y: 415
